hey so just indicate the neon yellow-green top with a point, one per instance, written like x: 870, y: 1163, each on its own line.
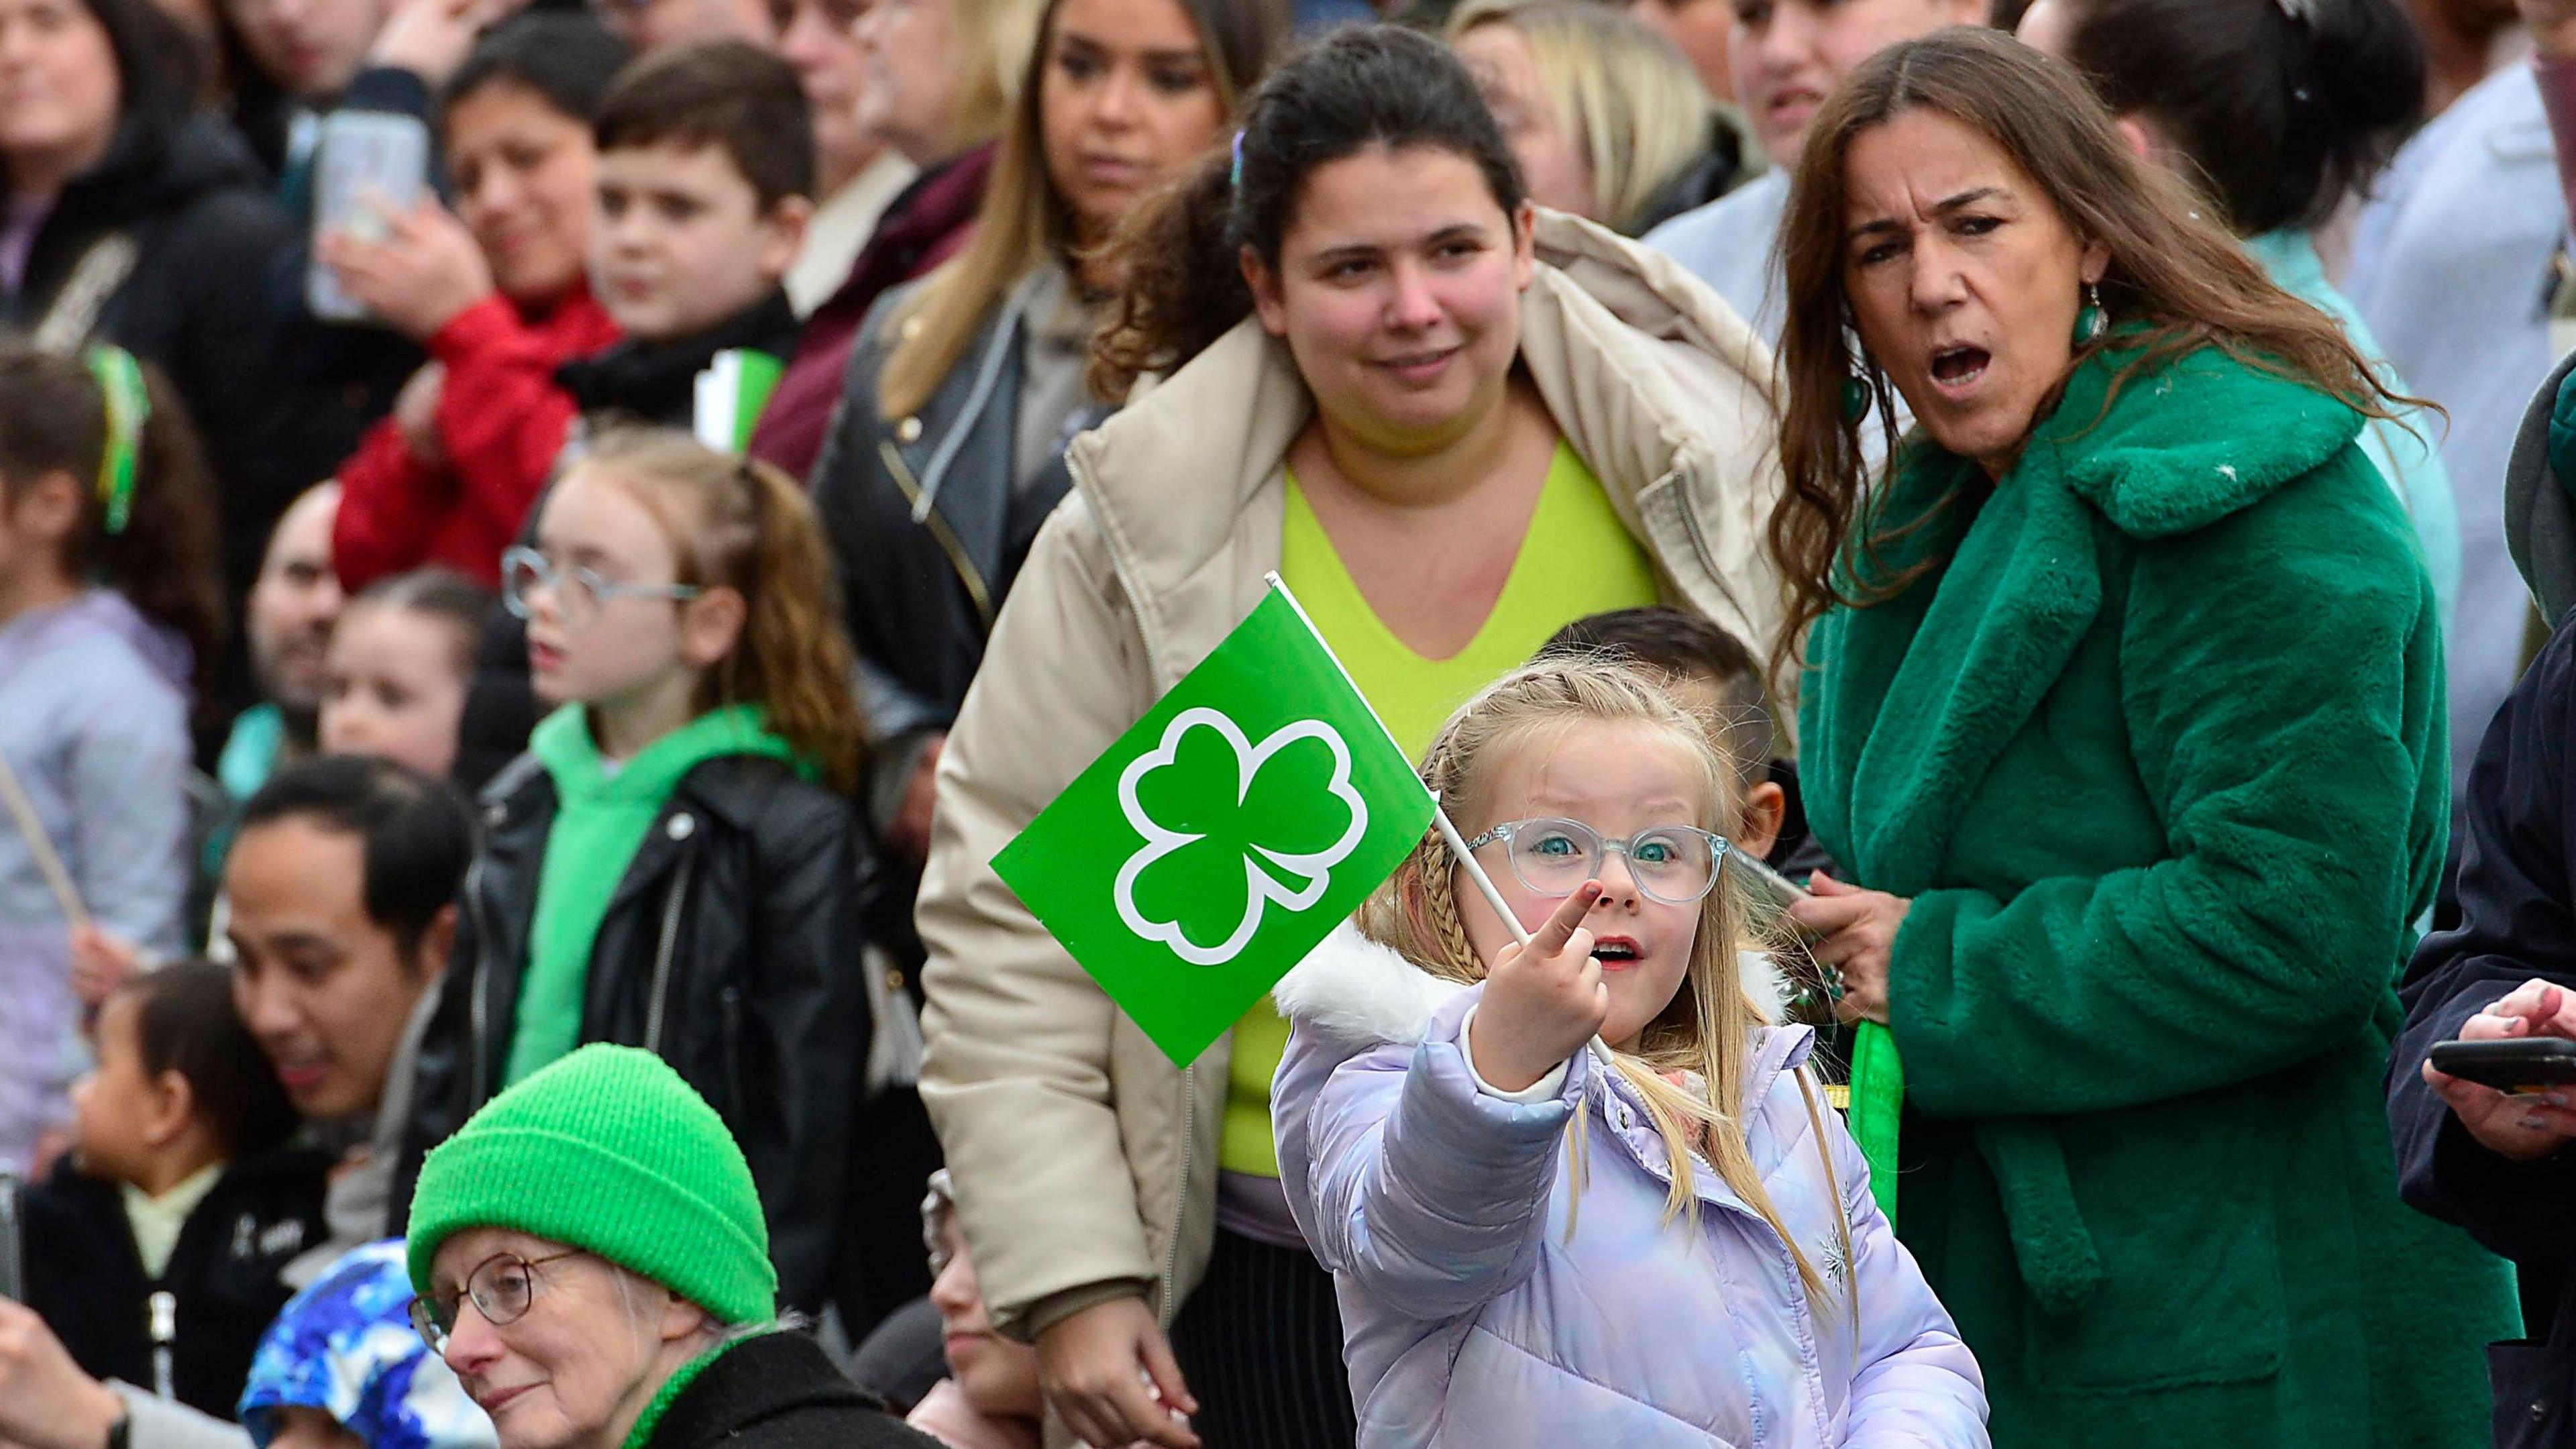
x: 1577, y: 559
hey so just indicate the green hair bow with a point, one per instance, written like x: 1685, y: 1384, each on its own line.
x: 129, y: 404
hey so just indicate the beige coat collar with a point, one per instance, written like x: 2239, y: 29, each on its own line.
x: 1660, y: 388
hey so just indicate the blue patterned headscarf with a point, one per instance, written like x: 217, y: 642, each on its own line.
x: 345, y: 1346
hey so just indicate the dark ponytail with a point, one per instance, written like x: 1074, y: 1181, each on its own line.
x: 2283, y: 107
x: 1361, y: 86
x: 53, y: 419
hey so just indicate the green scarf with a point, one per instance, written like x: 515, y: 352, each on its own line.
x: 600, y: 820
x: 1877, y: 1100
x: 673, y: 1387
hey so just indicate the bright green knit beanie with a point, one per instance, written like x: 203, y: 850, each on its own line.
x: 608, y: 1151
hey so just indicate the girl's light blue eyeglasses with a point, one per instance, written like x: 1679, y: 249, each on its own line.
x: 1675, y: 864
x: 579, y: 593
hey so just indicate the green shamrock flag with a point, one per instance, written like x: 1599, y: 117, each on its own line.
x: 1209, y: 849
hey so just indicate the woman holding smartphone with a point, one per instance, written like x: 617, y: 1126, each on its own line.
x: 135, y: 218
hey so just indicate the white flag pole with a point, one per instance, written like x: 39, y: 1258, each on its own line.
x: 1476, y: 872
x: 41, y: 847
x: 1439, y: 812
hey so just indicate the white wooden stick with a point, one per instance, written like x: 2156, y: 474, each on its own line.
x: 1476, y: 872
x: 41, y: 846
x: 1493, y: 897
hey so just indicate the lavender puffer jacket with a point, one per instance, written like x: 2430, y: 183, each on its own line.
x: 1472, y: 1317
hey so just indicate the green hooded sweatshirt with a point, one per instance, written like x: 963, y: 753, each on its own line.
x: 602, y: 814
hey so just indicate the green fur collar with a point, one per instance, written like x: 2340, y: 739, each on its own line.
x: 2159, y: 448
x: 2185, y: 441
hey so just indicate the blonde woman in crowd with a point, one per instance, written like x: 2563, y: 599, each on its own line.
x: 1607, y: 119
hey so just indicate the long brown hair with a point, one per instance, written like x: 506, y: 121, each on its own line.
x: 2177, y: 282
x: 1708, y: 1027
x: 1023, y: 221
x: 53, y: 419
x: 743, y: 525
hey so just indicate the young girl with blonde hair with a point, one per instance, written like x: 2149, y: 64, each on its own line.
x: 672, y: 865
x: 1578, y: 1190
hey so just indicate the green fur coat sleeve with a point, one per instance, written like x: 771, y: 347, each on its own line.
x: 2290, y: 773
x: 2157, y: 754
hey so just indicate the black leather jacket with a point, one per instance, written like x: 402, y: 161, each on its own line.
x: 920, y: 597
x: 731, y: 949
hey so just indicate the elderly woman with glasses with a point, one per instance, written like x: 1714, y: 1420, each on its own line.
x: 592, y: 1264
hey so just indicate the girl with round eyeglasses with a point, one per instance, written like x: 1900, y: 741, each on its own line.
x: 1675, y: 864
x: 1557, y: 1122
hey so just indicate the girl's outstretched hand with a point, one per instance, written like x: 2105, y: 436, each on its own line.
x: 1542, y: 1001
x: 100, y: 964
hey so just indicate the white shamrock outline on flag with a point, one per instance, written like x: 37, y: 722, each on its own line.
x: 1262, y: 887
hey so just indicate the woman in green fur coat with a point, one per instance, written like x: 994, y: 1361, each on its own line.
x: 2125, y: 716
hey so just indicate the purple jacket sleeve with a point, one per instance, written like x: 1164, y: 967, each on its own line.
x: 1913, y: 1381
x: 1429, y: 1194
x: 128, y: 790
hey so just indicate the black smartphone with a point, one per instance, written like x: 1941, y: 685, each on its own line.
x: 2520, y: 1065
x: 13, y: 1242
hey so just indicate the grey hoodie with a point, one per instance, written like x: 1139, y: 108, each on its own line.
x: 2540, y: 506
x: 94, y: 729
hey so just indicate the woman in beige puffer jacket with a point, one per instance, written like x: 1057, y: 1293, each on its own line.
x: 1376, y: 215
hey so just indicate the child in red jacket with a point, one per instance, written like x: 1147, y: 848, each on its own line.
x: 703, y: 180
x: 499, y: 299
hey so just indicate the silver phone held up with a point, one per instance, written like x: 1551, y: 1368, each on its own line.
x: 1769, y: 888
x: 366, y: 165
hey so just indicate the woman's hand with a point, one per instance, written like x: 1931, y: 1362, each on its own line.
x: 425, y: 270
x: 416, y: 415
x: 1852, y: 931
x: 430, y: 38
x: 1542, y: 1001
x: 1110, y: 1376
x: 46, y: 1402
x: 910, y: 834
x: 2522, y: 1129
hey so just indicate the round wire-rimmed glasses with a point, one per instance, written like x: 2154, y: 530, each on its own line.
x: 580, y: 593
x: 1552, y: 856
x: 501, y: 1288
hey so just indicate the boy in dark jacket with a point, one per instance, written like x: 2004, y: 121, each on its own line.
x: 706, y: 178
x: 155, y: 1254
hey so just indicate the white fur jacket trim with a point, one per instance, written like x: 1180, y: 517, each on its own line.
x: 1359, y: 993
